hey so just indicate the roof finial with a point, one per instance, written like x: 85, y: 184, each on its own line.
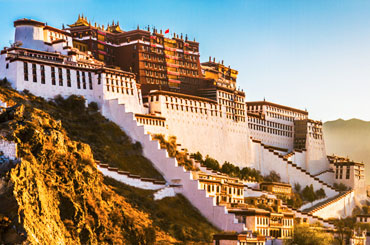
x: 138, y: 27
x: 79, y: 16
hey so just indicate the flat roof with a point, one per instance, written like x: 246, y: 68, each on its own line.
x: 275, y: 183
x: 187, y: 96
x: 276, y: 105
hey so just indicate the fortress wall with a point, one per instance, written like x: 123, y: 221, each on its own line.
x: 155, y: 129
x: 48, y: 90
x: 170, y: 170
x: 221, y: 138
x: 265, y: 161
x: 273, y: 139
x: 338, y: 209
x: 316, y: 157
x: 299, y: 158
x: 11, y: 73
x: 327, y: 177
x: 8, y: 148
x: 131, y: 181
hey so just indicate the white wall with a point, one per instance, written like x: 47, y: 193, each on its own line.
x: 266, y: 161
x: 128, y: 180
x: 219, y: 137
x: 316, y: 158
x: 8, y: 148
x: 170, y: 170
x: 338, y: 209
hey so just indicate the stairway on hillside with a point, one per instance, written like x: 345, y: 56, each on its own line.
x: 288, y: 162
x: 327, y: 202
x: 115, y: 111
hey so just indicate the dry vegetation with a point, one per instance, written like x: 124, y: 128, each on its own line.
x: 56, y: 195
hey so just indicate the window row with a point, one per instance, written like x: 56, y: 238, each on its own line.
x: 270, y: 124
x: 56, y: 74
x: 151, y: 121
x: 270, y: 130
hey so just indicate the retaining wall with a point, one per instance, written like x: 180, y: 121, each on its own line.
x: 169, y: 168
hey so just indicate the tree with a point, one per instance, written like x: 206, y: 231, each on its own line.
x: 272, y: 177
x: 340, y: 187
x: 230, y: 169
x: 295, y: 201
x: 297, y: 187
x: 320, y: 193
x: 306, y: 235
x: 212, y: 163
x: 197, y: 156
x: 344, y: 228
x: 309, y: 194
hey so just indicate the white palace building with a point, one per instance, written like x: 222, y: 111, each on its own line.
x: 217, y: 121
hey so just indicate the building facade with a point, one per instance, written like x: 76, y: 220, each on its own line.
x: 226, y: 190
x: 161, y: 82
x: 266, y: 223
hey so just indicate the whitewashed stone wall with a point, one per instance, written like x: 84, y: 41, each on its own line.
x: 8, y: 148
x: 170, y: 170
x: 131, y: 180
x: 339, y: 208
x: 316, y: 158
x: 165, y: 192
x: 266, y: 161
x: 220, y: 137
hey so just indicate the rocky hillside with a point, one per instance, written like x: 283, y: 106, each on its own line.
x: 57, y: 196
x: 349, y: 138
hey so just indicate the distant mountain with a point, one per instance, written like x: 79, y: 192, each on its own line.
x: 349, y: 138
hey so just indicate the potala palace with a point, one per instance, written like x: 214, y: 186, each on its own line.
x: 149, y: 83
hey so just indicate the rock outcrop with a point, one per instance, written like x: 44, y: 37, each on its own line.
x: 56, y: 195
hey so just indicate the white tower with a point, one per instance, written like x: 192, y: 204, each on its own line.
x: 30, y: 33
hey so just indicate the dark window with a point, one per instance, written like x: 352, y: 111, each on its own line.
x: 90, y: 81
x: 7, y: 65
x: 78, y: 79
x: 83, y: 80
x: 60, y: 73
x: 34, y: 74
x: 348, y: 172
x: 42, y: 74
x: 25, y: 70
x: 99, y: 78
x: 68, y: 77
x: 53, y: 75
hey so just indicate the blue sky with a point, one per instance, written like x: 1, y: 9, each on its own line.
x: 305, y: 54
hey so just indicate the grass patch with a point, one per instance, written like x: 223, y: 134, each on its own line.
x: 174, y: 215
x: 108, y: 142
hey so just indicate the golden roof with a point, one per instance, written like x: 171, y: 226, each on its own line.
x: 81, y: 21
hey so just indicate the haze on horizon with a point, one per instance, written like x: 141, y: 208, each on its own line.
x: 310, y: 55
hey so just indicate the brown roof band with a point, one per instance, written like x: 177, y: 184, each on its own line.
x: 276, y: 105
x: 186, y: 96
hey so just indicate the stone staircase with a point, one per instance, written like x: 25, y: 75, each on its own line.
x: 296, y: 173
x: 130, y: 179
x: 115, y: 111
x: 338, y: 206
